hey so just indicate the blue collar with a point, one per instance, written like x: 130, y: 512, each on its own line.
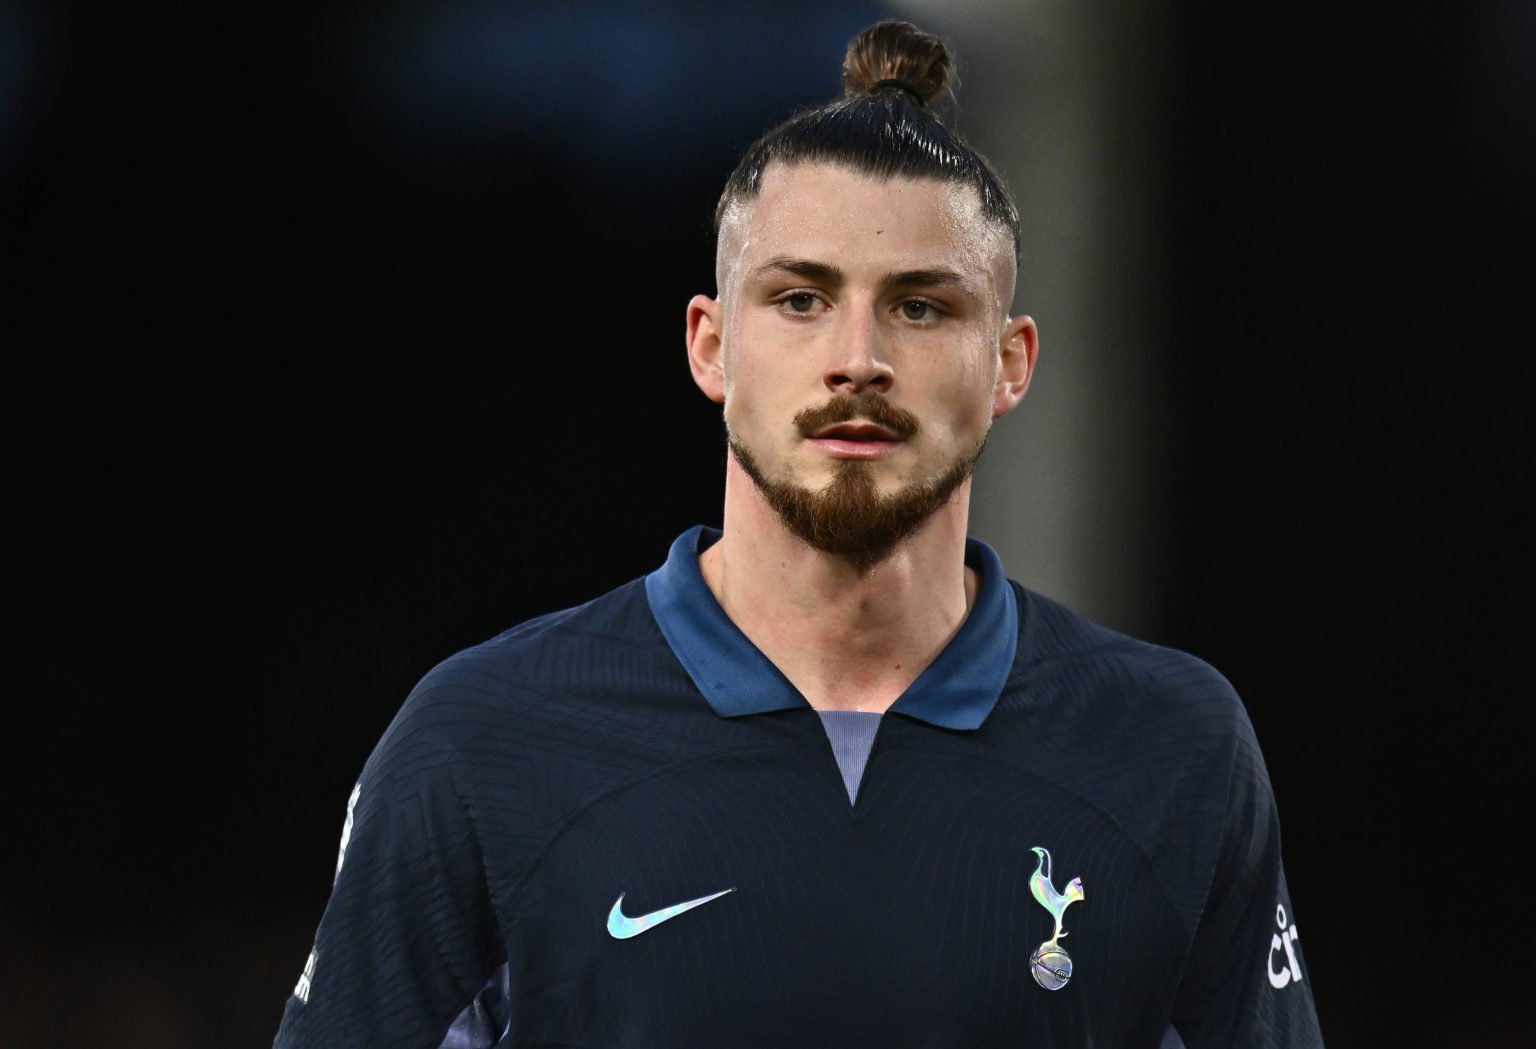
x: 958, y: 690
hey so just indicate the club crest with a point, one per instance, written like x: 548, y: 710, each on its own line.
x: 1051, y: 965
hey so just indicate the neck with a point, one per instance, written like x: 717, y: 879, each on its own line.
x: 847, y: 638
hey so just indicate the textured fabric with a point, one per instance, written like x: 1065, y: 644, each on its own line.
x: 486, y: 1020
x: 529, y: 783
x: 852, y: 735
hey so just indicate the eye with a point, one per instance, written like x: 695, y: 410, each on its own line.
x: 799, y: 303
x: 918, y: 310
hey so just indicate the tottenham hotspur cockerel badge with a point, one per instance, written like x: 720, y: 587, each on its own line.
x: 1051, y: 965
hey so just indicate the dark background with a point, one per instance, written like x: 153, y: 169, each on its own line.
x: 332, y: 351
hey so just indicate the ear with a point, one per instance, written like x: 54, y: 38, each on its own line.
x: 704, y: 346
x: 1016, y: 364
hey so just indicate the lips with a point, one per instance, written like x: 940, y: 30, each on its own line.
x: 857, y: 439
x: 855, y: 430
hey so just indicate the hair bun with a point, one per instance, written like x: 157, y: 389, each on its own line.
x: 895, y: 54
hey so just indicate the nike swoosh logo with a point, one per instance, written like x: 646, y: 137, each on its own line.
x: 622, y: 927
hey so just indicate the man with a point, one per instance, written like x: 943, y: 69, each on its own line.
x: 826, y: 777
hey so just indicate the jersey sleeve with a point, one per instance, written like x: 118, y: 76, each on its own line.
x: 408, y: 936
x: 1245, y: 982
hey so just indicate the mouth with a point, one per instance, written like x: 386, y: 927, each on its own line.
x: 856, y: 439
x: 855, y: 430
x: 862, y: 426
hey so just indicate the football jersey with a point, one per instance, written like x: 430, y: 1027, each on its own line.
x: 620, y: 825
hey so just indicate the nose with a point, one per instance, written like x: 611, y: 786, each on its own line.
x: 858, y: 361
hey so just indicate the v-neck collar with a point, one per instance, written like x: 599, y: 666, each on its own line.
x: 957, y: 690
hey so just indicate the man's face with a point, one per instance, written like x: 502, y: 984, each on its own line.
x: 861, y: 324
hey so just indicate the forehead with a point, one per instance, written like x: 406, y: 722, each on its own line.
x: 833, y: 214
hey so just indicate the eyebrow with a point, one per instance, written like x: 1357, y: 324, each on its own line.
x: 830, y: 274
x: 820, y: 271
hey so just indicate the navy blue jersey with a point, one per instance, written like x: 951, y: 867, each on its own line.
x: 621, y: 826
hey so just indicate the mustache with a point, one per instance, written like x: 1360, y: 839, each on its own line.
x: 871, y: 407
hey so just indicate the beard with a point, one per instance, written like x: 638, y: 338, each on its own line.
x: 849, y: 517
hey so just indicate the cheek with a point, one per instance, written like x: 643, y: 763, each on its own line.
x: 757, y: 384
x: 744, y: 391
x: 968, y: 393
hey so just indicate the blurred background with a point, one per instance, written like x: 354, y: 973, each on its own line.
x: 343, y: 336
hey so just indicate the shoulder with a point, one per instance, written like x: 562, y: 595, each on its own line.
x: 571, y: 642
x: 1110, y: 673
x: 1153, y: 733
x: 514, y: 684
